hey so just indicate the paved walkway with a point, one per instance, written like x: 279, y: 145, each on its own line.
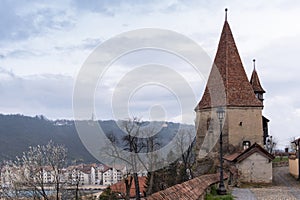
x: 284, y: 187
x: 243, y: 194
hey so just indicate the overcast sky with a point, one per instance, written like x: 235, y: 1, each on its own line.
x: 44, y: 45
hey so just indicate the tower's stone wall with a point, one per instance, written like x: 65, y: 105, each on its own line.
x: 240, y: 124
x: 245, y: 124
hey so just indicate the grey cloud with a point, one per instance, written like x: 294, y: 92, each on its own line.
x: 16, y: 25
x: 86, y: 44
x: 112, y: 8
x: 145, y: 87
x: 47, y: 18
x: 19, y: 53
x: 103, y: 6
x: 4, y: 71
x: 12, y: 25
x: 164, y: 41
x: 90, y: 43
x: 37, y: 94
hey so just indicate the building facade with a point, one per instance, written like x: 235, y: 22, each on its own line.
x: 83, y: 174
x: 111, y: 176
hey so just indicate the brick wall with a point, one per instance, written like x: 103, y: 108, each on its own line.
x: 281, y: 164
x: 193, y: 189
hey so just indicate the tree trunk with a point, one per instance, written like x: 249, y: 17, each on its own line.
x: 77, y: 189
x: 137, y: 186
x: 150, y: 184
x: 128, y: 182
x: 57, y: 190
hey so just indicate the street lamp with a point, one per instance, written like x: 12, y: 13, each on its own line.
x: 221, y: 114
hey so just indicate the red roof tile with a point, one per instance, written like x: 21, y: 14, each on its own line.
x: 255, y: 148
x: 120, y: 187
x: 228, y: 84
x: 189, y: 190
x: 254, y: 81
x: 232, y: 157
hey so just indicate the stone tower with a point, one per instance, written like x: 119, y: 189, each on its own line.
x: 229, y: 87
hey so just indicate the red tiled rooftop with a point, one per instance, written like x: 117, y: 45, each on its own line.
x: 120, y: 187
x: 232, y: 156
x: 255, y: 148
x: 254, y: 81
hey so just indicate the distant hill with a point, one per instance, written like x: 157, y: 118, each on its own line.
x: 18, y: 132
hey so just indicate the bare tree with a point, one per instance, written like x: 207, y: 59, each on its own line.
x: 185, y: 145
x: 140, y: 140
x: 8, y: 190
x: 29, y: 171
x: 56, y: 157
x: 143, y: 139
x: 128, y: 179
x: 133, y: 145
x: 74, y: 179
x: 113, y: 152
x: 152, y: 144
x: 271, y: 144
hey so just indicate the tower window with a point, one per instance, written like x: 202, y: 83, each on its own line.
x: 246, y: 144
x: 259, y: 96
x: 209, y: 124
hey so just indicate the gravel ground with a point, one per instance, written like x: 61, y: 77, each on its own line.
x: 243, y: 194
x: 273, y: 193
x: 284, y: 187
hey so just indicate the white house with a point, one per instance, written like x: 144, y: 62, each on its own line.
x: 48, y: 175
x: 254, y: 164
x: 97, y: 174
x: 111, y: 176
x: 79, y: 174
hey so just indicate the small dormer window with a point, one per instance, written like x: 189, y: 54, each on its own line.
x: 246, y: 144
x: 259, y: 96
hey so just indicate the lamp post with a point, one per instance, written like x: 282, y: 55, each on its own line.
x: 221, y: 114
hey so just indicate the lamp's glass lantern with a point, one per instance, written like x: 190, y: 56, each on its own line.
x: 221, y: 113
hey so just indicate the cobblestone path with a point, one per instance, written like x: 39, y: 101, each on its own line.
x: 284, y: 187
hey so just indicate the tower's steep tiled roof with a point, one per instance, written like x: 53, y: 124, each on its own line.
x: 228, y: 84
x: 256, y: 83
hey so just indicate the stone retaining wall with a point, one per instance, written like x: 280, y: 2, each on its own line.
x: 280, y: 164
